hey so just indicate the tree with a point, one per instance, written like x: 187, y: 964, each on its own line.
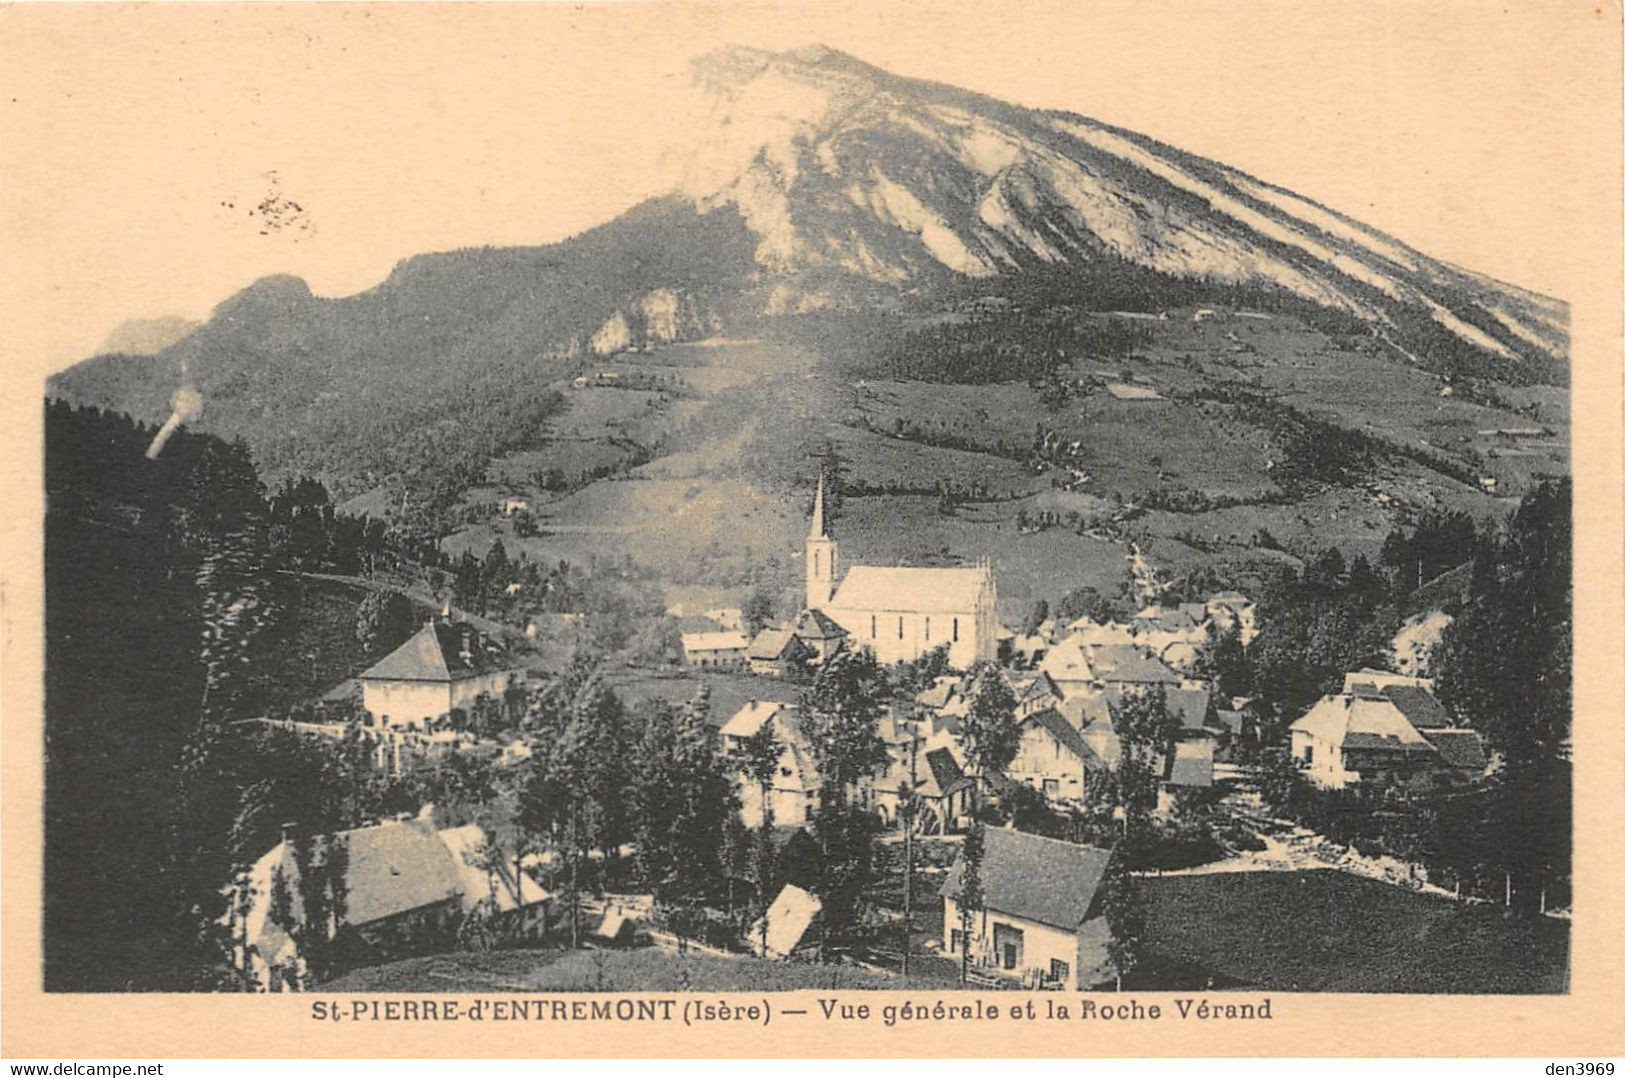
x: 842, y: 713
x: 1225, y: 663
x: 989, y: 732
x: 1084, y: 602
x: 758, y: 759
x: 1325, y: 575
x: 758, y: 609
x: 1035, y: 617
x: 1146, y: 731
x: 970, y: 894
x: 842, y: 708
x: 1124, y: 910
x: 1521, y: 608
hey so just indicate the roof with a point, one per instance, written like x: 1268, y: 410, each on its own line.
x: 748, y: 720
x: 343, y: 691
x: 440, y: 651
x: 1413, y: 696
x: 1419, y: 706
x: 1089, y: 632
x: 816, y: 531
x: 941, y: 691
x: 911, y: 589
x: 788, y: 919
x: 944, y: 775
x: 1033, y: 686
x: 1067, y: 661
x: 1172, y: 618
x: 1381, y: 679
x: 714, y: 642
x: 1460, y: 747
x: 1036, y: 878
x: 394, y: 867
x: 389, y: 868
x: 1120, y: 662
x: 1191, y: 764
x: 1354, y: 721
x: 817, y: 625
x: 774, y: 644
x: 479, y: 880
x: 1086, y: 709
x: 1189, y: 705
x: 1065, y: 735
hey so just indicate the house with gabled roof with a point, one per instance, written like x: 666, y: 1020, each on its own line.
x: 820, y: 633
x: 370, y: 893
x: 777, y: 652
x: 724, y: 649
x: 1042, y: 921
x: 443, y: 666
x: 928, y: 765
x: 1384, y: 729
x: 1053, y: 757
x: 794, y: 792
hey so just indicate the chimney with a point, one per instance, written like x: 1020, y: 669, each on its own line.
x: 445, y: 609
x: 288, y: 829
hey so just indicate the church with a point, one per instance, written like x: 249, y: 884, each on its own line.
x: 902, y: 613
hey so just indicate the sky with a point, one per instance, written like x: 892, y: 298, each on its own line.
x: 136, y: 141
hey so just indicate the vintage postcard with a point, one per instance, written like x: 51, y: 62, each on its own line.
x: 798, y: 529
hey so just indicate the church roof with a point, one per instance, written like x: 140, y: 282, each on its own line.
x: 817, y: 529
x: 910, y: 590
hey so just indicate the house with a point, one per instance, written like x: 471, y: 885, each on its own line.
x: 943, y: 691
x: 1176, y: 633
x: 1384, y: 729
x: 788, y: 918
x: 943, y: 792
x: 777, y: 652
x: 1033, y: 692
x: 820, y: 633
x: 1090, y: 632
x: 445, y: 665
x: 1186, y: 769
x: 510, y: 506
x: 1053, y: 758
x: 715, y: 649
x: 793, y: 794
x: 1076, y: 668
x: 1041, y: 920
x: 495, y: 888
x: 901, y: 613
x: 371, y: 893
x: 1067, y: 666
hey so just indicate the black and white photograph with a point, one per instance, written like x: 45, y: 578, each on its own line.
x: 674, y: 500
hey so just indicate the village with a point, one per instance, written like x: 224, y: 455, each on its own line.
x: 887, y: 779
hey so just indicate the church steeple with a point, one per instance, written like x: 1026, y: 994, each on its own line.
x: 821, y: 556
x: 817, y: 530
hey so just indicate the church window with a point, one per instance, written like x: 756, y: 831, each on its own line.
x: 817, y: 563
x: 956, y: 630
x: 899, y: 626
x: 928, y: 628
x: 873, y: 631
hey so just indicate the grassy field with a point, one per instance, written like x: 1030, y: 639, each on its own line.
x: 641, y: 970
x: 1326, y: 931
x: 722, y: 502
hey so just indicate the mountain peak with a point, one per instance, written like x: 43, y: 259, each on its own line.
x: 841, y: 169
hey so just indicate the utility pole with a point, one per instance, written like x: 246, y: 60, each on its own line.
x: 906, y: 814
